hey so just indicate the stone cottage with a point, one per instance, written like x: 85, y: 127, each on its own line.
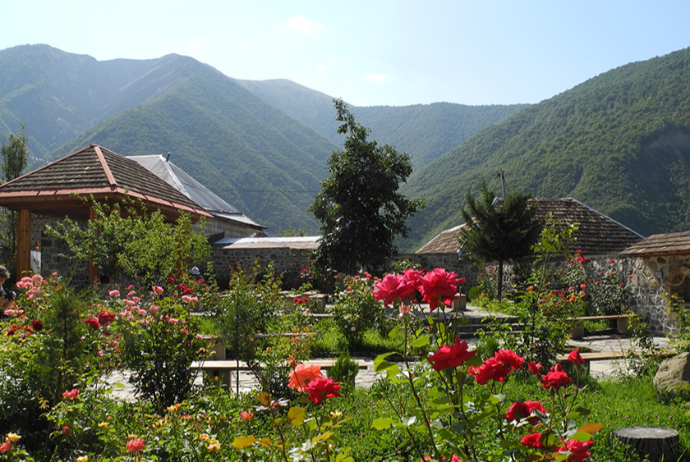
x: 660, y: 267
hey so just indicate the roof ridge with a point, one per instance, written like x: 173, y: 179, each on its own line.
x: 104, y: 165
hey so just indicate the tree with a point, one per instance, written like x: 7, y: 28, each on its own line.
x: 360, y: 208
x: 499, y: 232
x: 15, y: 159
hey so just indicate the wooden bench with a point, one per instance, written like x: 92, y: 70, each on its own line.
x: 612, y: 355
x: 623, y: 325
x: 222, y: 369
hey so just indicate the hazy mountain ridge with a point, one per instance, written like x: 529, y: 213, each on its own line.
x: 424, y: 131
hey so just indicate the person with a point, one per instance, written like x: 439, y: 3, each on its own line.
x: 6, y: 298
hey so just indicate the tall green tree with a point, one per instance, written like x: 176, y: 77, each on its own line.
x: 15, y: 159
x: 360, y: 207
x: 500, y: 231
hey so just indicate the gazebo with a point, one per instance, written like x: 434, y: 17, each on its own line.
x: 60, y: 188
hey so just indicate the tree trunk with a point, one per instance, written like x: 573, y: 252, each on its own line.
x: 657, y: 443
x: 500, y: 280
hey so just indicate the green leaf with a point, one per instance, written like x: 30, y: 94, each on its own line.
x: 383, y: 423
x: 420, y: 342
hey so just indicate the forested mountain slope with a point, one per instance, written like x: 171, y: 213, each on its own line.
x: 424, y: 131
x: 619, y: 142
x: 263, y: 162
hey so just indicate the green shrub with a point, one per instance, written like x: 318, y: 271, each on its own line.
x: 355, y: 309
x: 345, y: 371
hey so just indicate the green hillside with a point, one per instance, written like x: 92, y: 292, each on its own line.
x: 424, y: 131
x: 619, y: 142
x: 263, y: 162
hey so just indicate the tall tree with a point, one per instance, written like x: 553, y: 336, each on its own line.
x: 500, y: 231
x: 360, y: 207
x: 15, y: 159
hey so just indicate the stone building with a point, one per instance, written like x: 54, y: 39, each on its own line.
x: 660, y: 267
x: 597, y: 236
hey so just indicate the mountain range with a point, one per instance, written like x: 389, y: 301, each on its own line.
x: 619, y: 142
x: 262, y: 146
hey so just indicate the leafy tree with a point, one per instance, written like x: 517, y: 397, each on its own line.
x: 499, y: 232
x: 360, y: 207
x: 15, y: 159
x: 126, y: 237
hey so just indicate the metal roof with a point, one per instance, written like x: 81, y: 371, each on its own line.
x: 298, y: 243
x: 191, y: 188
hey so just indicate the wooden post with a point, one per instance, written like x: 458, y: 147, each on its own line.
x: 93, y: 269
x: 23, y: 243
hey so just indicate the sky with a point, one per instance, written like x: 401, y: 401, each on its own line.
x: 371, y: 52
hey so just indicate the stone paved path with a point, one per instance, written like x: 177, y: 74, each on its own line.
x: 366, y: 377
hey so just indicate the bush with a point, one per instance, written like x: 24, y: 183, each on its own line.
x: 345, y: 371
x: 355, y: 309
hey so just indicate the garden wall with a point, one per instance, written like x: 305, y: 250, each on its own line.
x: 286, y: 261
x: 648, y: 286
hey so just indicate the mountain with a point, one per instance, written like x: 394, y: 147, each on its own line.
x: 260, y: 160
x: 424, y: 131
x: 619, y: 142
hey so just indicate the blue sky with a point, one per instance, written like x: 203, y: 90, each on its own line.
x: 375, y: 52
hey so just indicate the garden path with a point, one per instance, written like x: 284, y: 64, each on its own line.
x: 366, y: 377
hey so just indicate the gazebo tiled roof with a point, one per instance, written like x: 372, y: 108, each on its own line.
x: 597, y: 234
x: 660, y: 245
x: 95, y: 171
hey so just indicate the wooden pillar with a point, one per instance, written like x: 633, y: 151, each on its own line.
x: 23, y: 243
x: 93, y: 269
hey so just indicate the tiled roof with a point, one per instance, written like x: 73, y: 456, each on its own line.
x: 597, y: 234
x: 96, y: 170
x: 660, y: 244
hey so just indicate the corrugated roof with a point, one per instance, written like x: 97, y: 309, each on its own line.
x: 196, y: 191
x: 298, y: 243
x: 96, y: 170
x: 597, y: 234
x: 660, y: 244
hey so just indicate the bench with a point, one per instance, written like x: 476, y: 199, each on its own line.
x: 622, y: 323
x: 612, y: 355
x: 222, y: 369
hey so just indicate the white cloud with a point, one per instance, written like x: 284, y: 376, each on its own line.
x: 198, y: 43
x: 302, y: 24
x: 373, y: 77
x: 322, y: 68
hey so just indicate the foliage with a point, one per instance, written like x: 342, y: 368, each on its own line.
x: 345, y: 371
x: 159, y: 343
x: 354, y: 308
x: 290, y: 232
x: 45, y: 349
x: 15, y: 159
x: 459, y: 409
x: 499, y: 232
x: 359, y: 206
x: 125, y: 236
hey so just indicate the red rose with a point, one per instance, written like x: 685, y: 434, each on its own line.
x: 532, y: 441
x: 451, y: 355
x: 36, y: 325
x: 555, y: 379
x: 105, y: 318
x: 92, y: 322
x: 490, y: 369
x: 522, y: 410
x: 575, y: 358
x: 396, y: 287
x: 320, y: 389
x: 439, y: 284
x: 578, y: 450
x: 510, y: 359
x: 534, y: 368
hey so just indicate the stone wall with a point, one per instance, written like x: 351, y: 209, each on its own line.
x: 648, y: 286
x: 289, y: 262
x: 449, y: 262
